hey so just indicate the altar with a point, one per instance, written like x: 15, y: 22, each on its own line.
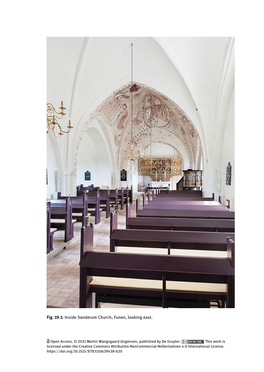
x: 159, y: 185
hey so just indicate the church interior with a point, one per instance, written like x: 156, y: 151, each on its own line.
x: 140, y: 119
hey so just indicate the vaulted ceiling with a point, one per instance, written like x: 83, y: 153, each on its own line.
x: 184, y: 87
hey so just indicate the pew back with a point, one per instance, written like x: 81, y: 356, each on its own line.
x: 185, y: 224
x: 214, y: 212
x: 165, y: 269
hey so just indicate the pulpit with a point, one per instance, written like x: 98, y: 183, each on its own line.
x: 193, y: 179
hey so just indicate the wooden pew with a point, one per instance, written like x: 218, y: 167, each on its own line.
x: 175, y: 200
x: 79, y: 207
x: 187, y: 205
x: 105, y: 201
x: 104, y: 197
x: 114, y: 198
x: 184, y: 224
x: 128, y: 195
x: 80, y: 189
x: 165, y: 197
x: 50, y: 230
x: 93, y: 205
x: 61, y: 217
x: 93, y: 201
x: 184, y: 213
x: 121, y: 198
x: 182, y: 193
x: 123, y: 194
x: 184, y: 197
x: 168, y: 239
x: 167, y: 281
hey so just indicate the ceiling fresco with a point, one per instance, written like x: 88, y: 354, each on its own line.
x: 154, y: 115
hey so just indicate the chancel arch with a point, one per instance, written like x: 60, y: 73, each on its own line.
x: 154, y: 118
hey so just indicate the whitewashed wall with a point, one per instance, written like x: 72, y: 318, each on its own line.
x: 228, y: 155
x: 93, y: 156
x: 52, y: 167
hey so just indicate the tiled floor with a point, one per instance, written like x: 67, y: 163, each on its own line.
x: 63, y: 261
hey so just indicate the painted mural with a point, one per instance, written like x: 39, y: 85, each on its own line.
x: 153, y: 115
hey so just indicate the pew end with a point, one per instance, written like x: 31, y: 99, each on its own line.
x: 128, y: 211
x: 113, y: 226
x: 231, y: 251
x: 87, y: 234
x: 137, y: 205
x: 113, y: 221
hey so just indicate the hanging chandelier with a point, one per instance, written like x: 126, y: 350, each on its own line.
x: 133, y: 152
x: 52, y: 120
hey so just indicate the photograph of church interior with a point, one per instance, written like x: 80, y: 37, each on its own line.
x: 140, y: 182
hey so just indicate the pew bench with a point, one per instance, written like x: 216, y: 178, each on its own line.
x: 147, y: 292
x: 94, y: 206
x: 183, y: 211
x: 199, y: 206
x: 61, y: 217
x: 194, y: 240
x: 184, y: 224
x: 184, y: 197
x: 114, y: 199
x: 104, y: 200
x: 126, y: 195
x: 85, y: 203
x: 121, y: 198
x: 60, y: 224
x: 79, y: 207
x: 182, y: 193
x: 169, y: 239
x: 79, y: 217
x: 154, y: 280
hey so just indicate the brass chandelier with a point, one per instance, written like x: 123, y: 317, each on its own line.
x: 52, y: 120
